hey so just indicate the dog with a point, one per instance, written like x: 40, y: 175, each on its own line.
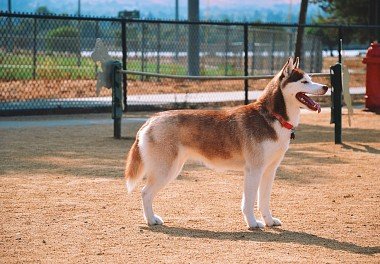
x: 252, y: 138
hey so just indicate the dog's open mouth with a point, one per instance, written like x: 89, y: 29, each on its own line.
x: 306, y: 100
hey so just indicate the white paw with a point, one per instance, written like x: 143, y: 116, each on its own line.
x: 156, y: 220
x: 276, y: 222
x: 256, y: 225
x: 272, y: 222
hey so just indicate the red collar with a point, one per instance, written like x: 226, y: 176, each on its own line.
x: 282, y: 121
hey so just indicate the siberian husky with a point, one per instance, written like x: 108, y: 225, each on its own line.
x: 251, y: 138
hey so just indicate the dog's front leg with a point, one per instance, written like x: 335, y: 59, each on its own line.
x: 265, y: 190
x: 252, y: 178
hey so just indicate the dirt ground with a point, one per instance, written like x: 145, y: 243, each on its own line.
x: 63, y: 200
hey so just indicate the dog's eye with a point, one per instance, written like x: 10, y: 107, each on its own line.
x: 305, y: 82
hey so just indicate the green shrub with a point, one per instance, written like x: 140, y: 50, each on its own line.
x: 63, y: 39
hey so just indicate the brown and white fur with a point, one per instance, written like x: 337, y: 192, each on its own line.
x: 246, y: 138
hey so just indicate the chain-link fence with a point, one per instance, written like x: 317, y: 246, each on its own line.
x: 45, y: 63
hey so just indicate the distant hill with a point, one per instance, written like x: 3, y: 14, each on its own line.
x: 153, y: 9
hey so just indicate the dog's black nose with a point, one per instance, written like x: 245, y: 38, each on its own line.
x: 324, y: 87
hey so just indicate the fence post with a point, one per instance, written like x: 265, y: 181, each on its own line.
x: 79, y: 44
x: 272, y: 53
x: 176, y: 31
x: 320, y: 56
x: 336, y: 96
x: 10, y: 35
x: 253, y: 52
x: 290, y: 44
x: 143, y: 49
x: 158, y: 48
x: 124, y: 59
x: 96, y: 37
x: 34, y: 47
x: 193, y: 42
x: 177, y: 42
x: 312, y: 62
x: 340, y: 44
x: 117, y: 98
x: 246, y: 63
x: 227, y: 34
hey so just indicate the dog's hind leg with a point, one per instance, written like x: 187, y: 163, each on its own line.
x: 251, y: 184
x: 157, y: 180
x: 265, y: 190
x: 148, y: 192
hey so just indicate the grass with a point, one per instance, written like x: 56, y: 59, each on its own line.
x: 20, y: 67
x: 67, y: 66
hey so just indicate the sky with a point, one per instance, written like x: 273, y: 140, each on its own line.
x: 163, y: 9
x: 33, y: 4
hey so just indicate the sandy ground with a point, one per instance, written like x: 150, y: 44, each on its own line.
x: 63, y: 200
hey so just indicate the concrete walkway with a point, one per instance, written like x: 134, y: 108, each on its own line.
x: 146, y: 99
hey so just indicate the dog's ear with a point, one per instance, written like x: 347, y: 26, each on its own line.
x: 288, y: 67
x: 297, y: 63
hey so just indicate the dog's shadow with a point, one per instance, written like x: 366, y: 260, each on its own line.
x: 273, y: 235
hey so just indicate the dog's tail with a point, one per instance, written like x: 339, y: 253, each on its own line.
x: 134, y: 169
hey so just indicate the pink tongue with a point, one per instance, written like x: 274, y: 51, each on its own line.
x: 306, y: 100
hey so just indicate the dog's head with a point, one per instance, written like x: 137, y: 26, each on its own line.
x: 295, y: 84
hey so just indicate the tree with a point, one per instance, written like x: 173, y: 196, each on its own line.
x: 43, y: 10
x: 300, y: 30
x: 45, y: 25
x: 328, y: 36
x: 63, y: 39
x: 353, y: 12
x: 346, y: 11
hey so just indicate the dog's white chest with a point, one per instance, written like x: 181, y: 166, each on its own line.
x: 276, y: 149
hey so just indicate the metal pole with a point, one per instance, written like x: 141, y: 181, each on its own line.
x: 176, y: 30
x: 340, y: 44
x: 124, y: 59
x: 272, y: 53
x: 227, y: 34
x: 79, y: 8
x: 117, y: 98
x: 79, y: 37
x: 188, y: 77
x: 158, y: 47
x: 96, y: 36
x: 34, y: 47
x: 176, y: 10
x: 313, y: 43
x: 143, y: 49
x: 10, y: 29
x: 253, y: 52
x: 290, y: 44
x: 193, y: 40
x: 246, y: 63
x: 336, y: 81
